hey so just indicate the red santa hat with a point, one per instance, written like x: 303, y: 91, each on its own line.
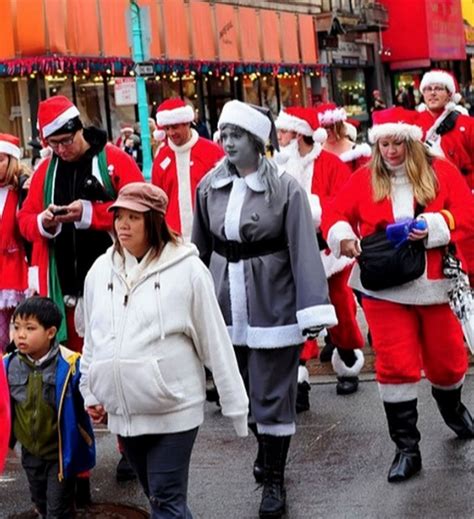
x: 301, y: 120
x: 174, y: 111
x: 395, y: 122
x: 54, y: 113
x: 441, y: 77
x: 126, y: 127
x: 10, y: 145
x: 330, y: 113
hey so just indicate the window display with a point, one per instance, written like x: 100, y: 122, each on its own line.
x: 350, y: 92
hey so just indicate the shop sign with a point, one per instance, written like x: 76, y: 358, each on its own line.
x: 125, y: 91
x: 350, y: 53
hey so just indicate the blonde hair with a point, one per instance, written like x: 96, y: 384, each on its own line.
x: 14, y: 171
x: 418, y: 167
x: 339, y: 130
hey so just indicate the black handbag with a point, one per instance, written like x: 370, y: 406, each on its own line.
x: 384, y: 265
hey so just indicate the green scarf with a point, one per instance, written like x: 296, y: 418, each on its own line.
x: 54, y: 287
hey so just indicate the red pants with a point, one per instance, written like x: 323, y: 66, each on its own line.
x: 74, y: 342
x: 409, y: 338
x: 346, y: 334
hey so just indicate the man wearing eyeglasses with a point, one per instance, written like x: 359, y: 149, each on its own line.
x: 65, y: 213
x: 449, y: 132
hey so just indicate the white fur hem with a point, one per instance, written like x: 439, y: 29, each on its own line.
x: 316, y: 210
x: 43, y: 231
x: 274, y: 336
x: 185, y: 114
x: 450, y: 388
x: 341, y: 230
x: 60, y: 121
x: 86, y: 218
x: 340, y: 367
x: 398, y: 130
x: 393, y: 393
x: 303, y: 374
x: 333, y: 265
x: 316, y: 316
x: 281, y: 429
x: 438, y: 230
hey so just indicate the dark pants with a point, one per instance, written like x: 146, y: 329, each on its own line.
x: 53, y: 498
x: 270, y: 377
x: 161, y: 462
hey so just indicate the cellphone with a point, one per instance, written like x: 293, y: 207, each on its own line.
x: 59, y: 211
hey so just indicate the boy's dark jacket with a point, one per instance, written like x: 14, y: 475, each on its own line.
x: 76, y: 437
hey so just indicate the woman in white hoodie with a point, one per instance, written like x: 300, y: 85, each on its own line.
x: 152, y: 324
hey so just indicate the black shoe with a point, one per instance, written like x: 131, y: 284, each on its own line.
x: 325, y: 355
x: 273, y: 504
x: 455, y: 414
x: 124, y: 471
x: 258, y: 471
x: 83, y: 493
x: 347, y: 385
x: 404, y: 466
x: 302, y: 397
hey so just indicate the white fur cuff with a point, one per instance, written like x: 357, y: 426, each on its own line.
x: 340, y: 367
x: 318, y: 315
x: 394, y: 393
x: 438, y: 230
x: 341, y: 230
x: 86, y: 218
x: 43, y: 231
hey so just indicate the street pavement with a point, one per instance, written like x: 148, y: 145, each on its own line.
x: 337, y: 465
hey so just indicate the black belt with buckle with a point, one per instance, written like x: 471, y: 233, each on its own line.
x: 235, y: 251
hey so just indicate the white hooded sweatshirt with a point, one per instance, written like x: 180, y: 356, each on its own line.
x: 150, y: 329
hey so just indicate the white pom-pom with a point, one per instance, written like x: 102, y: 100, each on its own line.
x: 46, y: 152
x: 456, y: 97
x: 216, y: 136
x: 159, y: 135
x: 320, y: 135
x: 421, y: 107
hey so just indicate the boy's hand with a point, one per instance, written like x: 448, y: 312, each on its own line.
x: 97, y: 413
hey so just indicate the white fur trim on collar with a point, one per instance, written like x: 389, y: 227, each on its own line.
x: 10, y: 149
x: 59, y: 122
x: 358, y: 151
x: 332, y: 116
x: 187, y: 145
x: 398, y: 130
x: 291, y: 123
x: 252, y: 181
x: 185, y: 114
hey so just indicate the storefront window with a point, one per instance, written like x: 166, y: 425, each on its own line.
x: 10, y: 110
x: 350, y: 92
x: 269, y: 97
x: 407, y: 92
x: 291, y: 91
x: 250, y: 89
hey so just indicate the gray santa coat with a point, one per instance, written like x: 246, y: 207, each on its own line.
x: 267, y: 301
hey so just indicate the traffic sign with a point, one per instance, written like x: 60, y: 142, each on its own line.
x: 144, y: 69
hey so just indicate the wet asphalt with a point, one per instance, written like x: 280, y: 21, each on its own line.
x: 337, y: 465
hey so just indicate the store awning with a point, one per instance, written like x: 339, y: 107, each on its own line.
x: 71, y: 35
x: 433, y: 30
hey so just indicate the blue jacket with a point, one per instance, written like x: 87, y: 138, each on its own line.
x: 76, y: 437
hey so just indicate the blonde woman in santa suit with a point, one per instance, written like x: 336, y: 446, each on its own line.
x: 342, y: 136
x: 13, y: 263
x: 412, y: 325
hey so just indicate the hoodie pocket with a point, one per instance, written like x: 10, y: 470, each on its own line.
x: 102, y: 385
x: 144, y: 388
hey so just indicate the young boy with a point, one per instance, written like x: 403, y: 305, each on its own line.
x: 48, y: 416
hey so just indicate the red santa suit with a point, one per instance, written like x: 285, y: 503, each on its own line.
x: 4, y: 416
x: 394, y: 314
x: 456, y: 145
x: 178, y: 170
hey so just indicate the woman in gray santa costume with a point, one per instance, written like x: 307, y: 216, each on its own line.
x: 254, y: 230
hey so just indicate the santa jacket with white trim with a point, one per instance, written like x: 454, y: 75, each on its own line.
x: 178, y: 170
x: 122, y: 170
x: 150, y: 328
x: 456, y: 144
x: 267, y: 300
x: 354, y: 215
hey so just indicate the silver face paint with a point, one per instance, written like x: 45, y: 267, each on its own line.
x: 239, y: 149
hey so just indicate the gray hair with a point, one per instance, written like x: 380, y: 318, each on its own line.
x: 267, y: 171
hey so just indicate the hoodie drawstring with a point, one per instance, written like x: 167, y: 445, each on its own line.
x: 110, y: 288
x: 158, y: 306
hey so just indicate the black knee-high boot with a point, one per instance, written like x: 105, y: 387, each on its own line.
x: 258, y: 463
x: 402, y: 418
x: 275, y: 451
x: 453, y: 411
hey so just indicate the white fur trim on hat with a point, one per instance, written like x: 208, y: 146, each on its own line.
x: 351, y: 131
x: 438, y: 77
x: 332, y: 116
x: 320, y: 135
x: 10, y: 149
x: 60, y: 121
x: 242, y: 115
x: 126, y: 129
x: 398, y: 130
x: 183, y: 114
x: 288, y: 122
